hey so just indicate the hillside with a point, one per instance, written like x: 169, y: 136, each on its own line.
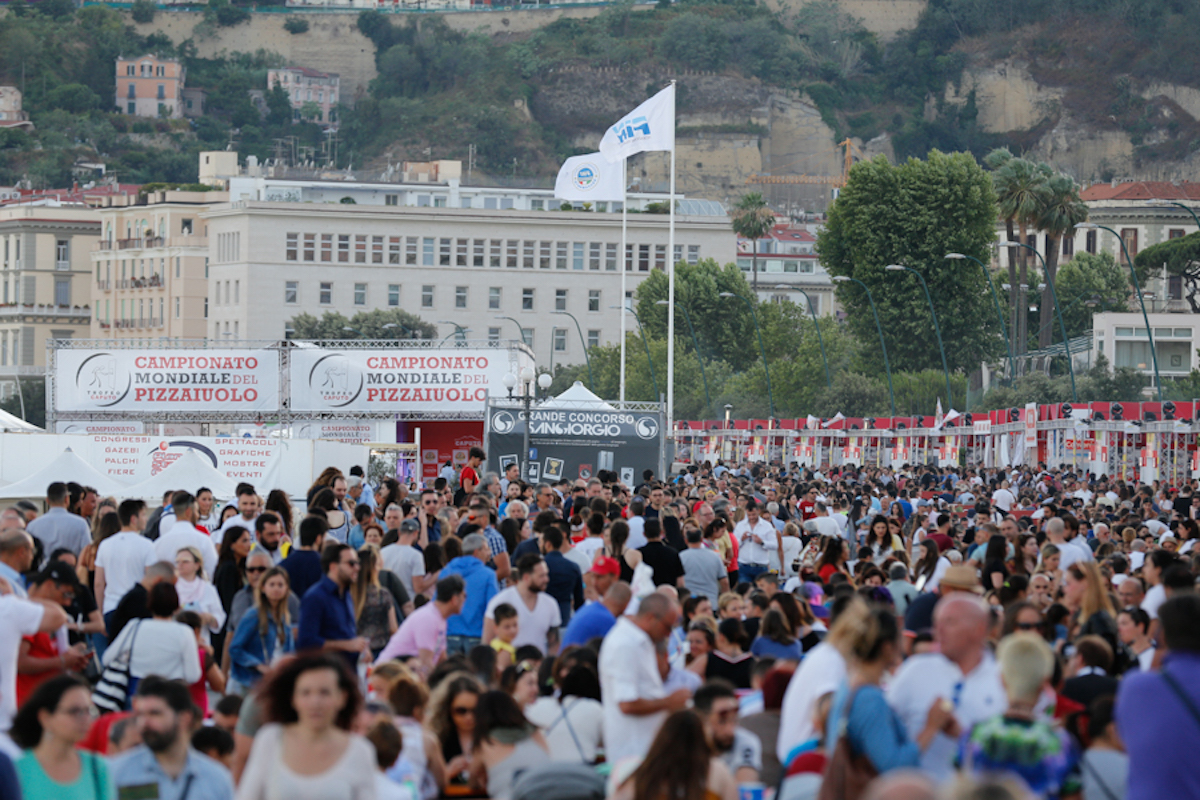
x: 1099, y: 88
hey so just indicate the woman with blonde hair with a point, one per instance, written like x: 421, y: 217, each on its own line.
x: 374, y: 608
x: 1085, y: 593
x: 197, y: 593
x: 1048, y: 563
x: 264, y: 636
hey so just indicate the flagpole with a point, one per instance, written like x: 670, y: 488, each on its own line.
x: 671, y: 281
x: 624, y: 267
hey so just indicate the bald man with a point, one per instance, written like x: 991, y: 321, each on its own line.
x: 901, y: 784
x: 963, y: 673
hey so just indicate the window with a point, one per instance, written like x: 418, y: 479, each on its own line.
x: 427, y: 296
x: 310, y: 243
x: 493, y: 334
x: 560, y: 340
x: 644, y: 258
x: 1175, y: 233
x: 289, y: 330
x: 560, y: 299
x: 537, y: 205
x: 132, y: 93
x: 494, y: 298
x: 360, y: 294
x: 62, y: 292
x: 527, y: 336
x: 660, y: 256
x: 527, y: 254
x: 394, y: 249
x: 495, y: 252
x: 593, y: 339
x: 478, y: 256
x: 376, y: 249
x: 544, y: 256
x: 327, y: 247
x: 391, y: 199
x: 410, y: 250
x: 177, y: 307
x: 460, y: 297
x: 343, y: 248
x: 560, y: 255
x: 610, y: 257
x: 162, y: 92
x: 511, y: 254
x: 326, y: 293
x: 527, y: 299
x: 594, y: 255
x: 577, y: 255
x: 1068, y: 246
x: 393, y: 294
x: 1175, y: 287
x: 1130, y: 237
x: 593, y: 300
x: 444, y: 252
x: 62, y: 254
x: 237, y: 293
x: 1089, y: 242
x: 427, y: 252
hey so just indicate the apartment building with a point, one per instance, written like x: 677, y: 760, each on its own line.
x: 12, y: 115
x: 305, y: 86
x: 787, y: 266
x: 149, y: 269
x: 481, y: 273
x: 43, y: 282
x: 150, y: 86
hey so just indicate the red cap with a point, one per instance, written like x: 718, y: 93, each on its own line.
x: 606, y: 565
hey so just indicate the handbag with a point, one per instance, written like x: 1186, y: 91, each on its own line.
x: 847, y: 773
x: 111, y: 692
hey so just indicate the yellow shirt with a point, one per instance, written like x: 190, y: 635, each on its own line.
x: 504, y: 647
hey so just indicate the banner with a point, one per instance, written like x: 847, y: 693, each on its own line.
x: 98, y: 428
x: 342, y: 430
x: 575, y: 444
x: 399, y: 380
x: 650, y: 126
x: 441, y: 441
x: 589, y: 178
x: 166, y: 380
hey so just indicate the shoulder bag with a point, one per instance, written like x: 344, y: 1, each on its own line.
x: 847, y: 773
x: 112, y: 690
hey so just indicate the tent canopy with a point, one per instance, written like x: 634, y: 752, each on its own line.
x: 10, y: 422
x: 189, y: 472
x: 578, y: 397
x: 67, y: 467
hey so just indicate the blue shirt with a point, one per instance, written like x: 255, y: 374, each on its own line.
x: 1159, y: 731
x: 326, y: 614
x: 874, y: 729
x: 763, y: 646
x: 565, y: 584
x: 592, y: 621
x: 13, y: 577
x: 204, y: 778
x: 481, y: 586
x: 303, y: 568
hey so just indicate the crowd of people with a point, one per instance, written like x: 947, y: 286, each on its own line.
x: 755, y: 630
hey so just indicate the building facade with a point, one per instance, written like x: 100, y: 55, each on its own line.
x: 305, y: 86
x: 150, y: 86
x: 1121, y: 337
x: 149, y: 269
x: 12, y: 115
x: 788, y: 268
x: 43, y: 282
x: 480, y: 272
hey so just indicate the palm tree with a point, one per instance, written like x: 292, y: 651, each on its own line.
x: 1062, y: 210
x: 1021, y: 194
x: 753, y: 220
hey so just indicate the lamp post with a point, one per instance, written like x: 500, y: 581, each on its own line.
x: 937, y: 329
x: 354, y: 330
x: 1162, y: 203
x: 459, y: 330
x: 1058, y: 308
x: 1141, y: 300
x: 1012, y: 362
x: 646, y: 345
x: 813, y: 311
x: 879, y: 329
x: 526, y: 378
x: 520, y: 330
x: 695, y: 344
x: 761, y: 349
x: 583, y: 342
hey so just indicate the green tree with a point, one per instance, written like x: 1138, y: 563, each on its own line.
x: 143, y: 11
x: 854, y: 395
x: 310, y: 111
x: 1181, y: 257
x: 73, y: 97
x: 1089, y: 284
x: 295, y: 25
x: 1058, y: 215
x: 379, y: 323
x: 753, y: 220
x: 914, y: 214
x: 279, y: 106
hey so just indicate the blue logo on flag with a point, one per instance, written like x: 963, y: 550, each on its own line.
x: 587, y: 177
x: 626, y: 129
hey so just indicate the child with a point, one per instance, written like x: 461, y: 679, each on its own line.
x: 507, y: 628
x: 216, y: 743
x: 1021, y: 740
x: 210, y: 670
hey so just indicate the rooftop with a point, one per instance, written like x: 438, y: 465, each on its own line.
x: 1142, y: 190
x: 309, y: 73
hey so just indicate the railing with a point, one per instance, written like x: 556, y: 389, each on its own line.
x: 153, y: 282
x: 62, y: 312
x: 138, y: 322
x: 138, y: 244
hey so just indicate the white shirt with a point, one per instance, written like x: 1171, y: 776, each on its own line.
x: 579, y: 559
x: 534, y: 626
x: 17, y: 618
x: 637, y: 539
x: 1156, y: 527
x: 828, y: 526
x: 1069, y: 554
x: 160, y: 647
x: 236, y: 519
x: 925, y: 678
x: 588, y: 548
x: 267, y: 777
x: 1153, y: 599
x: 1080, y: 542
x: 406, y: 561
x: 821, y: 672
x: 792, y: 545
x: 201, y: 596
x: 751, y: 552
x: 185, y: 534
x: 629, y: 671
x: 577, y: 741
x: 1003, y: 499
x: 124, y: 557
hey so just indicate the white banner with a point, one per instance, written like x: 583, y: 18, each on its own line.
x: 166, y: 380
x: 98, y: 428
x: 348, y: 430
x: 589, y: 178
x: 650, y: 126
x: 400, y: 380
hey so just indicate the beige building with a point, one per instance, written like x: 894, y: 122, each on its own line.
x: 11, y: 113
x: 150, y: 86
x: 150, y: 267
x: 44, y: 279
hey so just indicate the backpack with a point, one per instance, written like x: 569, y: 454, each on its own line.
x: 558, y: 781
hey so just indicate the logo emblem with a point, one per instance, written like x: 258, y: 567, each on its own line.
x: 646, y: 427
x: 586, y: 177
x: 101, y: 381
x: 628, y: 128
x: 335, y: 380
x: 503, y: 422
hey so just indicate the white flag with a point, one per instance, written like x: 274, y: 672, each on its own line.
x: 650, y: 126
x: 835, y: 419
x: 589, y: 178
x: 951, y: 415
x: 937, y: 416
x: 812, y: 422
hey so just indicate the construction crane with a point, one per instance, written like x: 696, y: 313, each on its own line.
x: 847, y: 151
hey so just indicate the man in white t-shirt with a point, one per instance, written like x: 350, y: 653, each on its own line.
x: 186, y: 534
x: 19, y: 618
x: 1056, y: 534
x: 122, y: 558
x: 1152, y: 569
x: 406, y: 561
x: 756, y: 539
x: 538, y: 614
x: 1002, y: 498
x: 247, y: 502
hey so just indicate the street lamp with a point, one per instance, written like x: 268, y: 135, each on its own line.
x: 1164, y: 203
x: 695, y: 344
x: 583, y: 342
x: 937, y: 329
x: 354, y: 330
x: 1058, y: 308
x: 762, y: 350
x: 1012, y: 362
x: 816, y: 324
x: 520, y: 330
x: 645, y: 344
x: 1141, y: 300
x: 526, y: 379
x: 879, y: 328
x: 459, y: 330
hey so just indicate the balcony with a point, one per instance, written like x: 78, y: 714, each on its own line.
x: 153, y: 282
x: 130, y: 324
x: 72, y: 313
x: 140, y: 244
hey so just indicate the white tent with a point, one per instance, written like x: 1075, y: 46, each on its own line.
x: 578, y: 397
x: 9, y: 422
x: 189, y: 472
x: 67, y: 467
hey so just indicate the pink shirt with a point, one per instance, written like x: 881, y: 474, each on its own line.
x: 424, y: 629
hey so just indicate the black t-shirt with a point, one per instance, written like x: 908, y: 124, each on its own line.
x: 736, y: 671
x: 664, y: 560
x: 132, y: 606
x: 919, y: 616
x: 80, y: 610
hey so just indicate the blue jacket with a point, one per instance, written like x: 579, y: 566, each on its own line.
x: 248, y: 649
x: 481, y: 588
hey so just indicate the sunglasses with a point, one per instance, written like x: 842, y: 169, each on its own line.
x: 463, y: 711
x: 1028, y: 626
x: 353, y: 563
x: 256, y: 569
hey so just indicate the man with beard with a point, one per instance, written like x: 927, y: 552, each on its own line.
x: 537, y: 612
x: 268, y: 531
x: 717, y: 704
x: 165, y: 766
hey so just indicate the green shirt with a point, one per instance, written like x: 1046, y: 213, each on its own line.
x: 93, y: 782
